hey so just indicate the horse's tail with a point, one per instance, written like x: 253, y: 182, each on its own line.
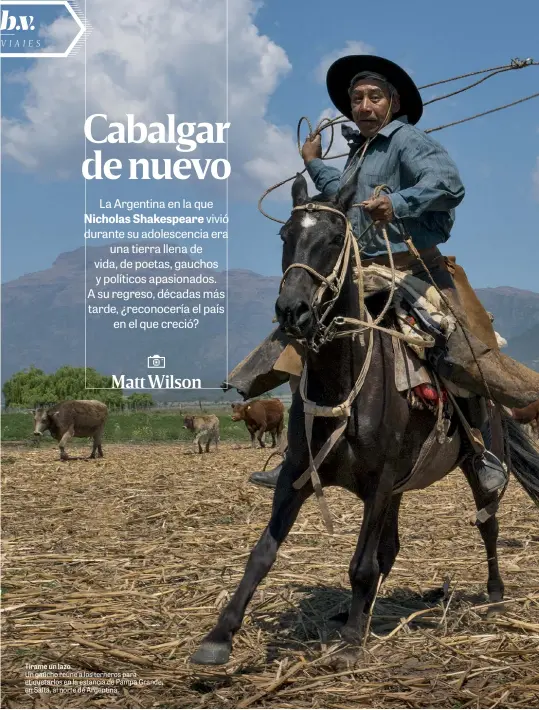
x: 524, y: 458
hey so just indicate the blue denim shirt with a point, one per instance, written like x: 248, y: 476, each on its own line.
x: 425, y: 185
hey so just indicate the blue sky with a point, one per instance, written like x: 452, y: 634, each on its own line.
x: 496, y: 232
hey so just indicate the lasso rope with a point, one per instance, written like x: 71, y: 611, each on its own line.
x: 327, y: 123
x: 515, y: 64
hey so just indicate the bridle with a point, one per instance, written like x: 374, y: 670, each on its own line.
x: 334, y: 281
x: 325, y: 332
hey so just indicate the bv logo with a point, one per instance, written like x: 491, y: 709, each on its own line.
x: 20, y: 22
x: 16, y: 22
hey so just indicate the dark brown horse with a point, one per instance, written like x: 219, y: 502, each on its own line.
x: 382, y: 438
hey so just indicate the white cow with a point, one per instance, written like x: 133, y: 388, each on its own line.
x: 502, y: 342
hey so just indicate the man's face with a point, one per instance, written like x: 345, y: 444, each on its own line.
x: 372, y: 107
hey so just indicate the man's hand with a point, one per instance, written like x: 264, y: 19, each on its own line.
x: 312, y: 149
x: 380, y: 209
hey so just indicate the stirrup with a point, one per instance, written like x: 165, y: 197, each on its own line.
x: 491, y: 472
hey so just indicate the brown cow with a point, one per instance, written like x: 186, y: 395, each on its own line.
x: 261, y: 415
x: 528, y: 415
x: 205, y: 427
x: 74, y: 417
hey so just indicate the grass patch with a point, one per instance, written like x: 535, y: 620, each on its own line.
x: 149, y: 426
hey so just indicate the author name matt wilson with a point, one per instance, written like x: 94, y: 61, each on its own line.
x: 153, y: 382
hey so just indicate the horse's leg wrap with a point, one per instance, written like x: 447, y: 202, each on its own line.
x: 489, y: 532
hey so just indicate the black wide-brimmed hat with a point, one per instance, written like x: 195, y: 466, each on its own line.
x: 342, y: 71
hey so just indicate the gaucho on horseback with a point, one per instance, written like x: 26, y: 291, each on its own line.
x: 361, y: 418
x: 423, y: 188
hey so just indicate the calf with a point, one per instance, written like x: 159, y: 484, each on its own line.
x: 75, y: 417
x: 528, y: 415
x: 261, y: 415
x: 205, y: 428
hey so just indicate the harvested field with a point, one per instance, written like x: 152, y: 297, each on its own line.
x: 120, y: 566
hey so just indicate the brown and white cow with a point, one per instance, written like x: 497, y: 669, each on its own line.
x: 261, y: 416
x: 74, y: 417
x: 205, y: 427
x: 528, y: 415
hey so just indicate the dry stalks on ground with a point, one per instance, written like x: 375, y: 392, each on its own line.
x: 120, y: 565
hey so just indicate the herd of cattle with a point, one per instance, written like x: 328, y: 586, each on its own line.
x: 87, y: 418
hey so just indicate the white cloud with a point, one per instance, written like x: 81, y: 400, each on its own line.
x: 351, y: 47
x: 535, y: 178
x: 154, y: 58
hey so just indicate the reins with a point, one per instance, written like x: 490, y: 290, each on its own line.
x: 335, y: 281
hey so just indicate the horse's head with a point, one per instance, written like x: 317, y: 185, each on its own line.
x: 314, y: 258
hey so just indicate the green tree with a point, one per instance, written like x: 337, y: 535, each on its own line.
x: 32, y: 387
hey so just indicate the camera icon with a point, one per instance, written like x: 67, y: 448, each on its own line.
x: 156, y: 361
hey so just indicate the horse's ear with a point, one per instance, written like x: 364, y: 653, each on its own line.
x: 346, y: 194
x: 299, y: 190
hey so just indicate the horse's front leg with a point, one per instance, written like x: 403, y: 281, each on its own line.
x: 365, y: 568
x: 216, y: 647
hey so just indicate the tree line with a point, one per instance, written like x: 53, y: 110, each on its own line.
x: 34, y: 388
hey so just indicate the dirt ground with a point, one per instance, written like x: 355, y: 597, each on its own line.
x: 119, y: 566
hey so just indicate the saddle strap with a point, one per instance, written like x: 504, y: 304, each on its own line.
x: 321, y: 455
x: 475, y: 436
x: 315, y: 478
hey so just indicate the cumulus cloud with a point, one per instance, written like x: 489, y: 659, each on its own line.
x: 154, y: 58
x: 351, y: 47
x: 535, y: 178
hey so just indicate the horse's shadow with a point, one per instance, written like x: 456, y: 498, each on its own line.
x: 77, y: 458
x: 322, y: 610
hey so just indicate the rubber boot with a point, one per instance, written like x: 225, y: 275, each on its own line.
x: 268, y: 479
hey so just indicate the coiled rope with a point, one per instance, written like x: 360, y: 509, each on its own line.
x: 330, y: 123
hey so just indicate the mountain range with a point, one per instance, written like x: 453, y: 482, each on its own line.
x: 44, y: 324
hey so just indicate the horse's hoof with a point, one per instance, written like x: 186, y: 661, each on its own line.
x: 344, y: 657
x: 493, y: 611
x: 211, y: 653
